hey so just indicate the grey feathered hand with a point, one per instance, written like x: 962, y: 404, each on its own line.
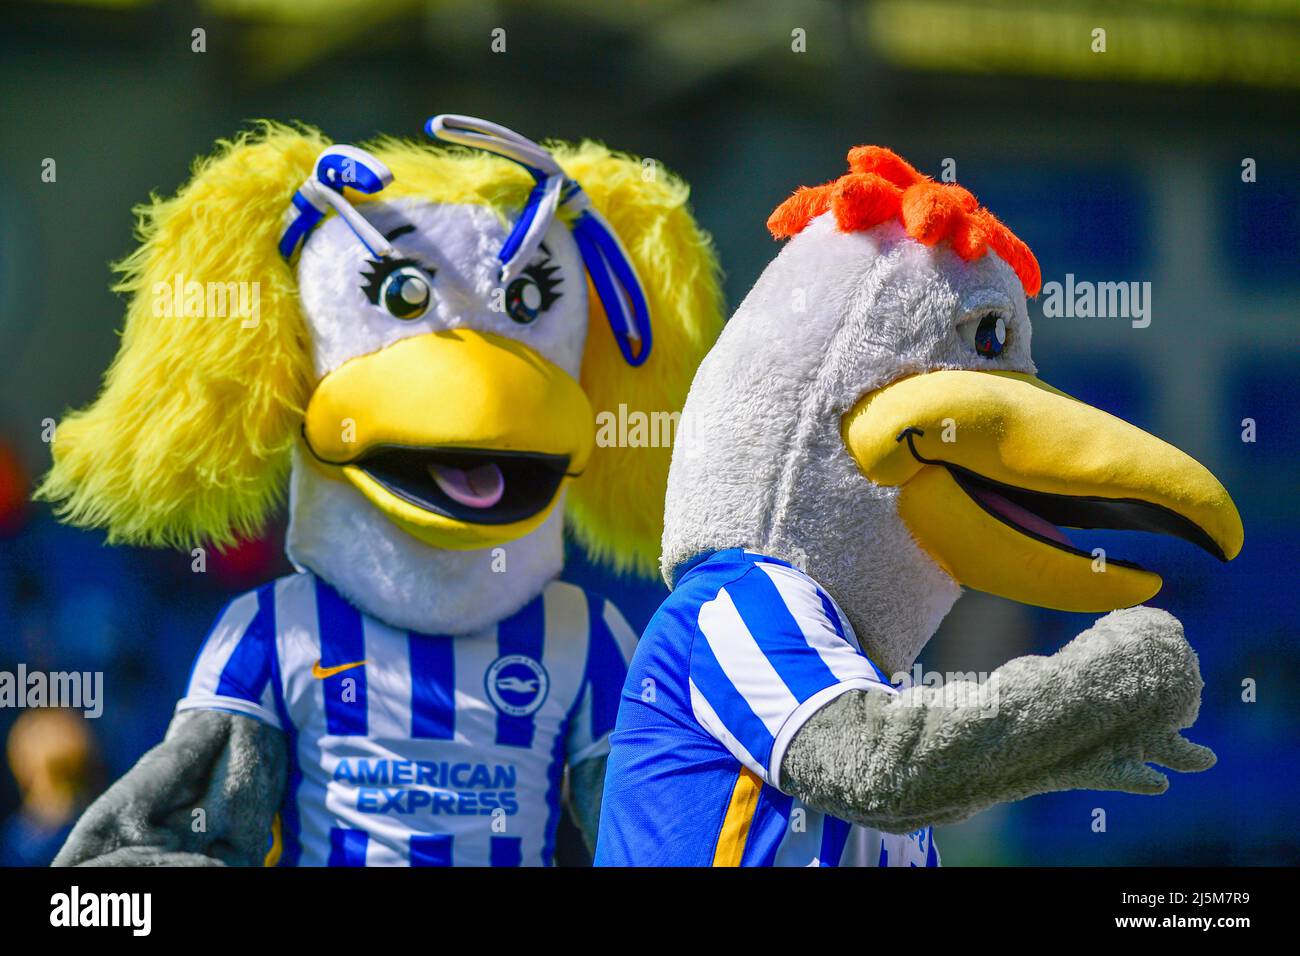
x: 1091, y: 716
x: 231, y: 767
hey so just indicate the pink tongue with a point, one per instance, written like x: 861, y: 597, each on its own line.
x: 1019, y: 516
x: 480, y: 487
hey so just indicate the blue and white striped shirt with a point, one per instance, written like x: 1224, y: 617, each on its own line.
x: 418, y: 749
x: 740, y: 655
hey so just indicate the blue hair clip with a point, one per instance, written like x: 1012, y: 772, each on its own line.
x: 337, y: 167
x: 607, y: 262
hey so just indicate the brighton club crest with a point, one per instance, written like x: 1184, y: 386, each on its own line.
x: 517, y: 685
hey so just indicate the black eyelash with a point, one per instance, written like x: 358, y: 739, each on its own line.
x: 544, y: 274
x: 381, y: 269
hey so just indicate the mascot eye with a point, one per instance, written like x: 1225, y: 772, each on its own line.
x: 532, y: 293
x: 990, y: 335
x: 406, y: 294
x: 399, y: 286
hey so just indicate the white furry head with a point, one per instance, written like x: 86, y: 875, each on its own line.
x: 760, y: 461
x: 334, y: 532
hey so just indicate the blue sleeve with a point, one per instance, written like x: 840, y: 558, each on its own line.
x: 769, y: 651
x: 234, y: 666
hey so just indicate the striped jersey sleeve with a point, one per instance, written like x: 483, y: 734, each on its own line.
x: 611, y: 641
x: 234, y: 667
x: 770, y: 650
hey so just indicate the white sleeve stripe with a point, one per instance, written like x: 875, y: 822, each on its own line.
x: 744, y: 663
x: 220, y: 644
x: 622, y: 632
x: 801, y: 597
x: 220, y: 702
x: 800, y: 716
x: 566, y: 624
x: 597, y: 749
x: 268, y: 697
x: 710, y: 721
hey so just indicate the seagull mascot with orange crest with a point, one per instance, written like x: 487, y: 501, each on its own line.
x: 867, y: 437
x: 424, y: 340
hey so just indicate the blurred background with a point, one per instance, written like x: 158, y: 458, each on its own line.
x: 1169, y: 158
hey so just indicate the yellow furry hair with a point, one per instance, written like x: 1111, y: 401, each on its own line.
x: 616, y: 508
x: 189, y: 439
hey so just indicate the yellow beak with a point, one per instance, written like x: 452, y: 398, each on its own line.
x: 465, y: 439
x: 991, y: 463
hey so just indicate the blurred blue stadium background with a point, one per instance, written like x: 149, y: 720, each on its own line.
x: 1117, y: 166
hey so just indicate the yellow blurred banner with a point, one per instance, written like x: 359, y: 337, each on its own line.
x: 1243, y: 43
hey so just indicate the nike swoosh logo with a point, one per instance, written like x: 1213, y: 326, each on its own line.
x: 320, y: 673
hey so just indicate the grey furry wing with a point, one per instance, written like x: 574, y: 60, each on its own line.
x: 205, y: 796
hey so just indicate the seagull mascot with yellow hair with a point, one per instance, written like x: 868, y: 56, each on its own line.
x: 417, y: 341
x: 867, y: 437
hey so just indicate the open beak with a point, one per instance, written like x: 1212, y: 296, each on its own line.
x: 462, y: 438
x: 992, y: 464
